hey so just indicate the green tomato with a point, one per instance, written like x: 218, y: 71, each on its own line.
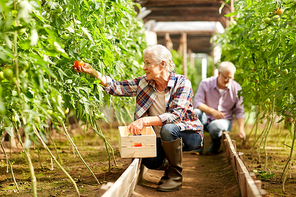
x: 276, y: 18
x: 267, y: 21
x: 8, y: 73
x: 285, y: 72
x: 13, y: 119
x: 24, y: 85
x: 24, y: 74
x: 13, y: 80
x: 24, y: 65
x: 2, y: 76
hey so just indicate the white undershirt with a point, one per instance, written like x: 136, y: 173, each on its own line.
x: 157, y: 108
x: 221, y: 90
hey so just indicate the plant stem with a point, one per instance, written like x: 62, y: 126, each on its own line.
x: 128, y: 112
x: 31, y: 167
x: 55, y: 147
x: 256, y: 139
x: 39, y: 157
x: 106, y: 143
x: 8, y: 161
x: 264, y: 146
x: 74, y: 146
x: 33, y: 177
x: 290, y: 159
x: 46, y: 147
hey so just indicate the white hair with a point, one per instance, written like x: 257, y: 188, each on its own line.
x: 161, y: 53
x: 226, y: 66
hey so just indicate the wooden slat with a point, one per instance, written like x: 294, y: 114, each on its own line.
x: 126, y: 183
x: 242, y: 183
x: 246, y: 183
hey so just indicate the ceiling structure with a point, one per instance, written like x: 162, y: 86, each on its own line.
x: 158, y: 12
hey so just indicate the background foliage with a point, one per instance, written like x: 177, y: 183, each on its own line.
x: 262, y: 46
x: 261, y: 43
x: 39, y: 41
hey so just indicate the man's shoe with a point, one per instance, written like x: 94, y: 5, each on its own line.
x: 215, y: 146
x: 197, y: 151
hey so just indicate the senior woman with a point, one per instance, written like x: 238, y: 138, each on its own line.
x: 164, y: 101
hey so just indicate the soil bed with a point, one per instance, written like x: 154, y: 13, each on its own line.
x: 203, y: 175
x: 55, y: 182
x: 270, y: 172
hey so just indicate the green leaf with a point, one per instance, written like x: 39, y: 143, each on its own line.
x: 231, y: 14
x: 10, y: 131
x: 221, y: 7
x: 28, y: 143
x: 85, y: 30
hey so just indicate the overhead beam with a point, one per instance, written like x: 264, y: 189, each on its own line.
x: 186, y: 10
x: 197, y: 43
x: 148, y: 3
x: 189, y: 32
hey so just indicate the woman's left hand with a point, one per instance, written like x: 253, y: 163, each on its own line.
x: 136, y: 126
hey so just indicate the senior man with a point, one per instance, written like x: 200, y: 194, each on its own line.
x: 217, y: 104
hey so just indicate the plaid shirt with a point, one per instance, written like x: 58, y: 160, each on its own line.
x: 178, y: 96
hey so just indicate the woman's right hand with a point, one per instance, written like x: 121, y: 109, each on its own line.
x: 81, y: 67
x: 84, y: 68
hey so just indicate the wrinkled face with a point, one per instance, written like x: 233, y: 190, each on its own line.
x: 225, y: 78
x: 151, y: 67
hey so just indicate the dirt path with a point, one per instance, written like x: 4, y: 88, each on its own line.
x: 203, y: 175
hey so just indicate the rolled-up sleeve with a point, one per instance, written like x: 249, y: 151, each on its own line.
x: 239, y: 110
x: 200, y: 95
x: 122, y: 88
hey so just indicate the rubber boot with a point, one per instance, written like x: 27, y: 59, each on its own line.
x: 215, y: 146
x: 164, y: 178
x: 173, y: 151
x: 164, y: 166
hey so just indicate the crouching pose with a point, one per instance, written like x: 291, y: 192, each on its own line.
x: 164, y: 101
x: 217, y: 104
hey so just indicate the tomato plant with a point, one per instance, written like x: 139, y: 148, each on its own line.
x: 40, y: 40
x: 270, y: 49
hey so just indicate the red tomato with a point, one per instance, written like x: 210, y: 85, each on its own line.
x: 77, y: 64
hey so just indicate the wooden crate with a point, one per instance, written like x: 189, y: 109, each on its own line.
x: 137, y: 146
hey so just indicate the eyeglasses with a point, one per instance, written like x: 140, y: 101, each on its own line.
x: 226, y: 78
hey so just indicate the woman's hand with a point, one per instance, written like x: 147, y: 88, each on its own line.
x: 84, y: 68
x: 81, y: 67
x: 136, y: 126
